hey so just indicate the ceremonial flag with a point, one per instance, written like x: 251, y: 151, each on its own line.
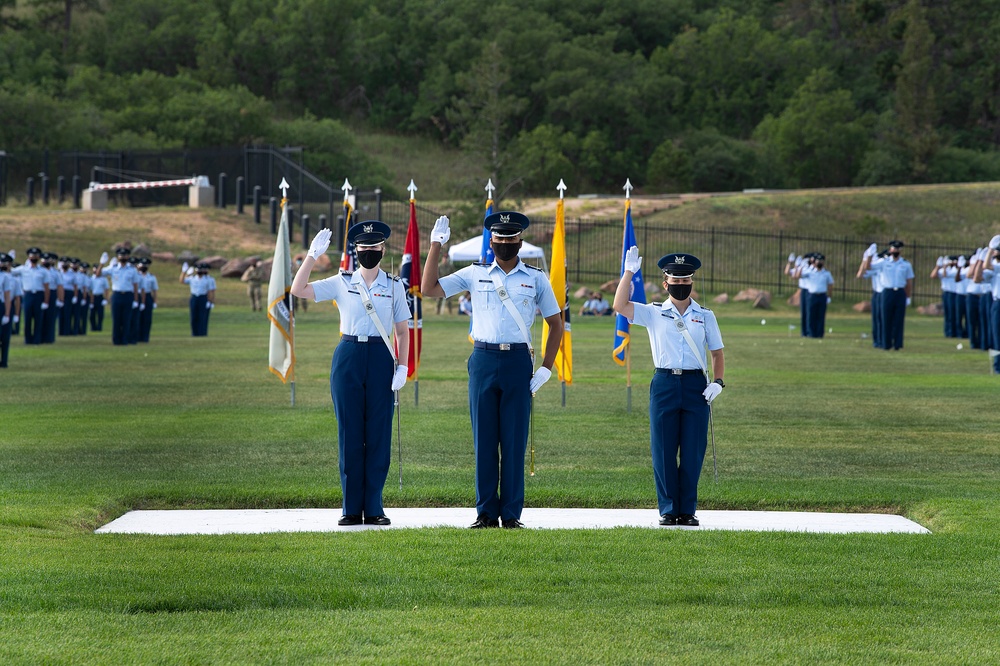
x: 486, y: 255
x: 557, y: 278
x: 281, y: 351
x: 348, y: 258
x: 409, y: 273
x: 637, y: 290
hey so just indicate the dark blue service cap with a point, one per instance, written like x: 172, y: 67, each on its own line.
x: 819, y: 256
x: 122, y: 250
x: 679, y: 264
x: 50, y: 256
x: 145, y: 261
x: 369, y: 232
x: 34, y: 250
x: 202, y: 266
x: 896, y: 243
x: 506, y: 223
x: 6, y: 258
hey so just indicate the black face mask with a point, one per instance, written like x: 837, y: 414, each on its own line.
x: 369, y: 258
x: 679, y: 291
x: 506, y: 251
x: 819, y: 264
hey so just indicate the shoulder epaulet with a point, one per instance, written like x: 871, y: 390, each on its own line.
x: 395, y: 278
x: 482, y: 263
x: 654, y: 303
x: 534, y: 267
x: 706, y: 309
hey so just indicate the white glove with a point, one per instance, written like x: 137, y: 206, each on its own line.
x: 791, y: 258
x: 15, y: 319
x: 104, y: 258
x: 4, y: 321
x: 399, y: 378
x: 91, y: 306
x: 45, y: 306
x: 185, y: 267
x: 633, y: 262
x: 441, y: 231
x: 13, y: 254
x: 320, y: 243
x: 984, y: 254
x: 541, y: 376
x: 208, y: 305
x: 142, y: 306
x: 961, y: 261
x: 154, y: 306
x: 828, y: 300
x: 189, y: 271
x: 940, y: 262
x: 995, y: 242
x: 712, y: 392
x: 798, y: 261
x: 871, y: 251
x: 75, y: 300
x: 135, y: 304
x: 59, y: 303
x: 908, y: 301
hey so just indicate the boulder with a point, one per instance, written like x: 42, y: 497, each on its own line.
x: 721, y: 299
x: 746, y: 295
x: 582, y: 292
x: 863, y: 306
x: 762, y: 300
x: 214, y: 261
x: 164, y: 256
x: 609, y: 286
x: 323, y: 265
x: 141, y: 250
x: 187, y: 256
x: 793, y: 300
x: 931, y: 310
x: 236, y: 267
x: 266, y: 265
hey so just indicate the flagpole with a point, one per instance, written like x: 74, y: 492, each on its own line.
x: 291, y: 310
x: 628, y: 376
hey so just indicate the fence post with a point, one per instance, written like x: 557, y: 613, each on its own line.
x: 30, y: 185
x: 61, y: 188
x: 76, y: 191
x: 241, y: 193
x: 256, y: 204
x: 305, y: 230
x: 222, y: 191
x: 291, y: 221
x: 274, y: 215
x: 378, y: 204
x: 45, y: 188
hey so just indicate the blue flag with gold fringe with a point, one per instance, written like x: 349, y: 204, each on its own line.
x: 637, y: 291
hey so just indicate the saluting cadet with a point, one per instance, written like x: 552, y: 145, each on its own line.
x: 69, y: 299
x: 940, y: 272
x: 83, y: 285
x: 897, y: 281
x: 6, y: 301
x: 866, y: 272
x: 17, y: 295
x: 680, y: 394
x: 988, y: 271
x: 35, y: 283
x: 796, y: 269
x: 124, y: 293
x: 98, y: 288
x: 133, y: 328
x: 150, y: 288
x: 364, y: 373
x: 818, y: 281
x: 51, y: 315
x: 202, y: 296
x: 505, y: 294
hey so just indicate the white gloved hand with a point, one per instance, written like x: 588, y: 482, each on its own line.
x: 135, y: 304
x: 441, y: 231
x: 829, y: 300
x: 4, y: 320
x: 908, y: 301
x: 540, y: 377
x: 15, y: 319
x: 633, y: 262
x: 189, y: 271
x: 791, y: 258
x: 712, y: 392
x: 13, y: 254
x: 961, y: 261
x: 940, y: 262
x: 320, y: 243
x: 59, y: 303
x: 154, y: 306
x: 142, y: 306
x: 45, y: 306
x: 185, y: 267
x: 75, y: 300
x: 104, y: 258
x: 208, y: 305
x: 798, y: 261
x: 399, y: 378
x: 995, y: 242
x: 91, y: 306
x: 871, y: 251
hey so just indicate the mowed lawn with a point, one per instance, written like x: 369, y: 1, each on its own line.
x: 89, y: 431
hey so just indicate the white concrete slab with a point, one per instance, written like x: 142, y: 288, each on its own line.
x: 260, y: 521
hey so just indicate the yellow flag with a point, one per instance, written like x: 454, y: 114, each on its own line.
x: 557, y: 278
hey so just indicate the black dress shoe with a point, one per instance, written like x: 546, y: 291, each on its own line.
x: 668, y: 519
x: 687, y: 520
x: 349, y: 520
x: 377, y: 520
x: 512, y: 524
x: 484, y: 521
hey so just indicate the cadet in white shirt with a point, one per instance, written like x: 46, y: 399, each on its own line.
x: 896, y: 274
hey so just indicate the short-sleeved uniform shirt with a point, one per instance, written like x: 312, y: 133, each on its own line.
x: 387, y: 295
x: 818, y: 281
x: 492, y: 322
x: 895, y: 273
x: 200, y: 284
x: 670, y: 349
x: 123, y: 276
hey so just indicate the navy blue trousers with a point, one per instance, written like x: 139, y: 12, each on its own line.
x: 877, y: 319
x: 133, y: 325
x: 804, y: 312
x: 361, y: 388
x: 948, y: 305
x: 500, y: 407
x: 31, y: 313
x: 678, y: 424
x: 199, y: 315
x: 121, y: 316
x: 4, y: 341
x: 972, y: 317
x: 97, y: 313
x: 817, y: 315
x: 893, y: 318
x: 995, y: 332
x: 146, y: 321
x: 985, y: 319
x: 961, y: 320
x: 50, y: 317
x: 66, y: 317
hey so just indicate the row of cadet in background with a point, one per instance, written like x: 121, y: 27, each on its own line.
x: 970, y: 293
x: 51, y: 293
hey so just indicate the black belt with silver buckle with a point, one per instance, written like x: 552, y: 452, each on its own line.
x: 358, y: 338
x: 676, y: 371
x: 503, y: 346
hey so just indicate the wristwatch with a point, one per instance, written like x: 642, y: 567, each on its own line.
x: 720, y: 383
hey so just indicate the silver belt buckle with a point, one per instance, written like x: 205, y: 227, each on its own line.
x: 676, y: 371
x: 362, y: 338
x: 504, y: 346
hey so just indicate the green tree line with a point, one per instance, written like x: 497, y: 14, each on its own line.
x: 680, y: 95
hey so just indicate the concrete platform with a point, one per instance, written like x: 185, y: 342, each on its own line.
x: 260, y: 521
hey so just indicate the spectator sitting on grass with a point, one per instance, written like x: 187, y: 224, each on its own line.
x: 595, y: 306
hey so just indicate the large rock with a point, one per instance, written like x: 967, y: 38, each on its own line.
x: 609, y: 286
x: 141, y: 250
x: 187, y: 256
x: 234, y: 268
x: 932, y: 310
x: 762, y: 300
x: 746, y: 295
x: 322, y: 265
x: 721, y: 299
x: 793, y: 300
x: 863, y: 306
x: 214, y: 261
x: 582, y: 292
x: 164, y: 256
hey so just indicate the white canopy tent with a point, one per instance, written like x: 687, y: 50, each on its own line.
x: 469, y: 251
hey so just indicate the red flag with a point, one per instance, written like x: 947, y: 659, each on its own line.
x: 409, y: 273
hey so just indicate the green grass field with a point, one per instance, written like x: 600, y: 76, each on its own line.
x: 90, y: 431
